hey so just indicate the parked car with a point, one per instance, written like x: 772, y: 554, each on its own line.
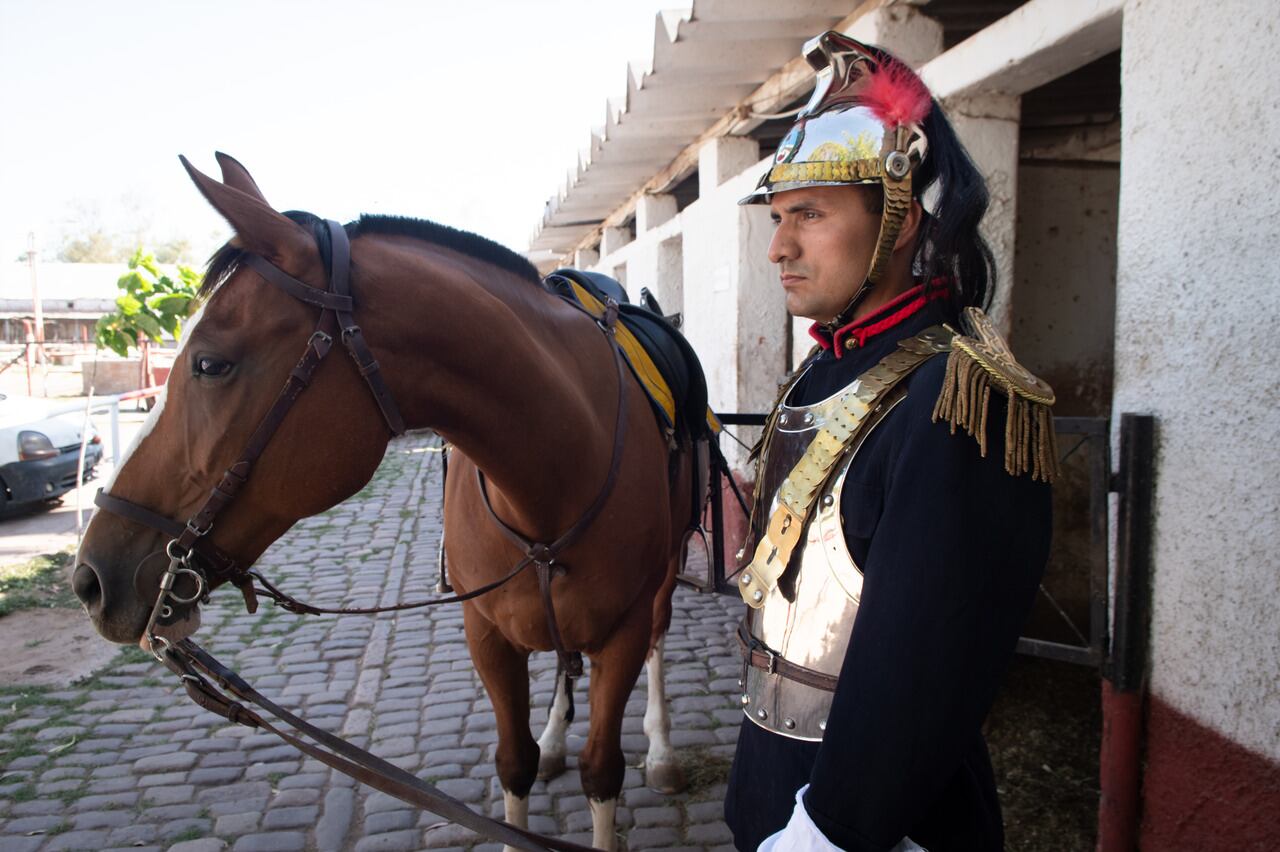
x: 40, y: 450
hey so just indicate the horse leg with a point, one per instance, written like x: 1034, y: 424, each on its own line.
x: 662, y: 771
x: 551, y: 748
x: 614, y: 670
x: 505, y: 673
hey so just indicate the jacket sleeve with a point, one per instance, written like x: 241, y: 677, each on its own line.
x: 950, y: 572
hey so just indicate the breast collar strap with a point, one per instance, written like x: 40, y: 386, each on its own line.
x: 336, y: 319
x: 543, y: 556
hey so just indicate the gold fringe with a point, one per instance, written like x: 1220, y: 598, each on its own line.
x: 1030, y: 444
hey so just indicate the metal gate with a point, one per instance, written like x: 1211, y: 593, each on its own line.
x: 1078, y: 601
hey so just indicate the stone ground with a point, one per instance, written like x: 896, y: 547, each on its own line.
x: 125, y: 761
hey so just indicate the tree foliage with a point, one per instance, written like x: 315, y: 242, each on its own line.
x: 150, y: 305
x: 96, y: 246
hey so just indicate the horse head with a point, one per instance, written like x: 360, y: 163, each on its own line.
x: 235, y: 357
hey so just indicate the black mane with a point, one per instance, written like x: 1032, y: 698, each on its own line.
x: 227, y: 259
x: 465, y: 242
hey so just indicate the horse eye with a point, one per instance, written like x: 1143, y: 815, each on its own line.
x: 208, y: 365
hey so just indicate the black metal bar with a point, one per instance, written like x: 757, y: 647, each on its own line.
x: 1099, y: 580
x: 1094, y: 427
x: 716, y: 568
x: 1127, y: 662
x: 742, y: 419
x: 1078, y: 654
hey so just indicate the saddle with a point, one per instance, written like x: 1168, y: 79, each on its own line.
x: 659, y: 356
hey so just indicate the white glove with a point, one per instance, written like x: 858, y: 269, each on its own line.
x: 801, y: 835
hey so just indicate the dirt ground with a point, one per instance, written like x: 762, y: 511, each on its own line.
x: 50, y: 647
x: 1044, y: 733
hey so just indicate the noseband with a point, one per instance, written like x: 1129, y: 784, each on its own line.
x: 336, y: 321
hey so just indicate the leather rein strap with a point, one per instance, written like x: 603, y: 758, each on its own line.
x: 196, y: 667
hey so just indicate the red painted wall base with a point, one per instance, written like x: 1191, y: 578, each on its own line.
x: 1203, y: 792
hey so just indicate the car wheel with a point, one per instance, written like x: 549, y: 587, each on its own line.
x: 4, y: 498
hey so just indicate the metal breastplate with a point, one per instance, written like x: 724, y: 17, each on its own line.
x: 813, y: 629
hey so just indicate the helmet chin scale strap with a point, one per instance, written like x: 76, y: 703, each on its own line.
x: 897, y: 201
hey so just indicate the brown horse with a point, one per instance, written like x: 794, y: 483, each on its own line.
x: 523, y: 385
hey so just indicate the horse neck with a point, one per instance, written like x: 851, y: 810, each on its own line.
x: 521, y: 383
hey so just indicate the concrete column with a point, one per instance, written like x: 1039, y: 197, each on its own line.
x: 988, y: 126
x: 904, y: 31
x: 585, y: 258
x: 653, y: 210
x: 722, y: 158
x: 613, y: 239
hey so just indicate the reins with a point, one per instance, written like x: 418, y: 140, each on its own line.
x: 196, y: 667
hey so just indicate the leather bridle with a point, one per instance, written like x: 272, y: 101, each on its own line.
x: 336, y: 321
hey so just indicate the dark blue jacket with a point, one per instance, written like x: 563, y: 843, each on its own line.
x: 952, y: 549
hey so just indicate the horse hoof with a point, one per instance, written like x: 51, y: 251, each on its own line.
x: 665, y: 778
x: 549, y: 766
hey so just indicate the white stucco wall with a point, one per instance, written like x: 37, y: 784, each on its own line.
x: 1197, y: 302
x: 709, y: 262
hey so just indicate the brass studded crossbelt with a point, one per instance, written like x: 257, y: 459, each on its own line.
x: 798, y: 491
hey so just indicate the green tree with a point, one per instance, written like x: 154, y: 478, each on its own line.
x: 96, y: 246
x: 150, y: 305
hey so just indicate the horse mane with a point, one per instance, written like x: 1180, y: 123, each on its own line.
x: 481, y: 248
x: 226, y: 260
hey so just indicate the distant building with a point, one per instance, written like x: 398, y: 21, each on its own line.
x: 72, y: 296
x: 1129, y: 147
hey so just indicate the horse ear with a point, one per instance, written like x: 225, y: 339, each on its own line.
x: 258, y: 227
x: 236, y: 175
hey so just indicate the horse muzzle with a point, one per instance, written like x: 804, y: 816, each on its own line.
x: 126, y: 613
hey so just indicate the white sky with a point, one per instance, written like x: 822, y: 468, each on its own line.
x: 469, y: 113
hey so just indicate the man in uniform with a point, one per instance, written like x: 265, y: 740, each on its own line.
x: 902, y: 516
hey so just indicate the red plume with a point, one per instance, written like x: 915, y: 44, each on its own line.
x: 896, y: 95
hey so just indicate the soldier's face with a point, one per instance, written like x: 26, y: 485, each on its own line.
x: 823, y: 241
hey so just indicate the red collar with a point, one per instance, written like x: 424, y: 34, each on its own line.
x: 856, y: 334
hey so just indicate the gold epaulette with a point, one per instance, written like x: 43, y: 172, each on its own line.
x: 980, y: 359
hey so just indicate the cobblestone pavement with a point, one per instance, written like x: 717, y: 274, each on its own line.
x: 126, y: 761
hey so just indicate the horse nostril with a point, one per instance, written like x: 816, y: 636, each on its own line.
x: 84, y: 582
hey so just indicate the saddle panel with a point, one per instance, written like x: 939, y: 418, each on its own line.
x: 659, y: 355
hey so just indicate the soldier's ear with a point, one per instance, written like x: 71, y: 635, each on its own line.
x: 910, y: 227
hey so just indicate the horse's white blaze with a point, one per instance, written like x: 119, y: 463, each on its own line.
x: 154, y: 417
x: 552, y: 742
x: 517, y: 812
x: 602, y: 823
x: 657, y: 722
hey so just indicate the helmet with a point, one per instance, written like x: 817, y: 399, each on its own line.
x: 861, y: 126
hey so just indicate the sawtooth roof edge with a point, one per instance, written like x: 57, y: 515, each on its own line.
x: 706, y: 57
